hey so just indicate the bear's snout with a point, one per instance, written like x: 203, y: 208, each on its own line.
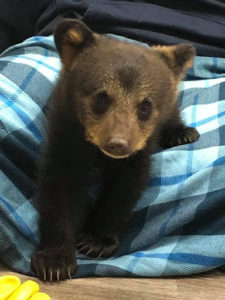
x: 117, y: 147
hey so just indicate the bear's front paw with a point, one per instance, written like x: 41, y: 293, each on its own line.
x: 179, y: 136
x: 95, y: 246
x: 53, y: 264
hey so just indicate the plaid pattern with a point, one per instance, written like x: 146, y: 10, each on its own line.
x: 178, y: 226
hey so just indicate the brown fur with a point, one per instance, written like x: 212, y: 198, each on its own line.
x: 153, y: 80
x: 179, y: 58
x: 112, y: 106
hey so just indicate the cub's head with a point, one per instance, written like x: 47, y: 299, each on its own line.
x: 122, y: 93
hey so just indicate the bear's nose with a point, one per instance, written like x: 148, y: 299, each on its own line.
x: 117, y: 147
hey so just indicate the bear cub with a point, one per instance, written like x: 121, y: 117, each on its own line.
x: 114, y: 103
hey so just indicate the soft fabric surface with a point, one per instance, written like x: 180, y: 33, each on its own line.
x: 178, y: 226
x: 200, y: 22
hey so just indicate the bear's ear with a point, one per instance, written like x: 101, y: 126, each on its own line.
x: 72, y: 36
x: 179, y: 58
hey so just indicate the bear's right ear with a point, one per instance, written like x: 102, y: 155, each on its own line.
x: 72, y: 36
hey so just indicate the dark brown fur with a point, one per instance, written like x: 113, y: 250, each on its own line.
x: 113, y: 104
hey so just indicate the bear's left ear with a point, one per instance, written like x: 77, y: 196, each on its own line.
x: 71, y: 37
x: 179, y: 58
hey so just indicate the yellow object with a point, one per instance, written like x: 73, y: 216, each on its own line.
x: 25, y: 291
x: 11, y: 289
x: 8, y: 284
x: 40, y: 296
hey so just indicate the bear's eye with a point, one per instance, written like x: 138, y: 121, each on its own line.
x: 144, y: 110
x: 101, y: 103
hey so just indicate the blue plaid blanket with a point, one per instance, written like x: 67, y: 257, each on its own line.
x: 177, y: 227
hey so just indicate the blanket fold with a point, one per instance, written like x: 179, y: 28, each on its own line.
x: 177, y: 227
